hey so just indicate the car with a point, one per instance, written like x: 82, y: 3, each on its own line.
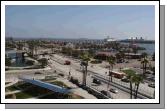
x: 125, y: 80
x: 106, y: 93
x: 96, y: 61
x: 126, y: 61
x: 151, y: 78
x: 37, y: 73
x: 151, y: 85
x: 96, y: 81
x: 113, y: 90
x: 67, y: 62
x: 149, y: 72
x: 61, y: 74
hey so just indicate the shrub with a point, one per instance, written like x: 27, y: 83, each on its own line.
x: 29, y: 62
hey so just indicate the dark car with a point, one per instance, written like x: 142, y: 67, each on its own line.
x: 151, y: 78
x: 151, y: 85
x: 37, y: 73
x: 106, y: 93
x: 125, y: 80
x: 96, y: 81
x: 67, y: 62
x: 61, y: 74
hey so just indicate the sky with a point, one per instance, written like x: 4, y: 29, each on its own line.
x: 80, y: 21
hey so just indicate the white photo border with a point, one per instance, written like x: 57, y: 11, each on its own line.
x: 103, y: 101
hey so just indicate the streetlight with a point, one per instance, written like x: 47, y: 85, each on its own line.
x: 69, y: 72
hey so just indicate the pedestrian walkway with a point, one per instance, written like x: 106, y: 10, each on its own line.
x: 77, y: 90
x: 12, y: 92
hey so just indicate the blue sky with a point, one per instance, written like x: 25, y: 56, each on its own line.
x: 95, y: 22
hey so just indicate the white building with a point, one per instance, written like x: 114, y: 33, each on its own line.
x: 109, y: 39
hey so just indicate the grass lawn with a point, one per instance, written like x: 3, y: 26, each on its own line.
x: 22, y: 95
x: 8, y: 97
x: 12, y: 88
x: 129, y: 71
x: 47, y: 79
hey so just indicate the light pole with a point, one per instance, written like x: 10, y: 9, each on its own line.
x: 70, y: 71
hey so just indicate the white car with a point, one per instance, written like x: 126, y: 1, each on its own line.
x: 113, y: 90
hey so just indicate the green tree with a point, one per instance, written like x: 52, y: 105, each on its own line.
x: 7, y: 61
x: 20, y: 45
x: 111, y: 62
x: 144, y: 54
x: 137, y: 79
x: 29, y: 62
x: 43, y: 62
x: 144, y: 63
x: 85, y: 59
x: 130, y: 74
x: 31, y: 45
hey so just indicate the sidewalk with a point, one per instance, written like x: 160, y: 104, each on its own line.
x: 77, y: 90
x: 26, y: 70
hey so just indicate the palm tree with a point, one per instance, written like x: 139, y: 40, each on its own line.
x: 31, y: 45
x: 43, y: 62
x: 144, y: 54
x: 85, y: 59
x: 20, y: 45
x: 7, y: 61
x: 111, y: 61
x: 137, y: 79
x: 144, y: 63
x: 130, y: 74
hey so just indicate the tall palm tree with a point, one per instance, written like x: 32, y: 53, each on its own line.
x: 137, y: 79
x: 111, y: 61
x: 31, y: 45
x: 20, y: 45
x: 123, y: 55
x: 130, y: 74
x: 144, y: 63
x: 85, y: 59
x: 144, y: 54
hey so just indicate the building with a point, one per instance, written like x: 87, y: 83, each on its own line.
x: 109, y: 39
x: 103, y: 55
x: 133, y: 55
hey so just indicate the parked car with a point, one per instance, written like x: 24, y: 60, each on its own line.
x: 96, y: 81
x: 37, y: 73
x: 151, y: 85
x: 151, y: 78
x: 113, y: 90
x: 96, y: 61
x: 106, y: 93
x: 67, y: 62
x: 127, y: 61
x: 61, y: 74
x: 149, y: 72
x: 125, y: 80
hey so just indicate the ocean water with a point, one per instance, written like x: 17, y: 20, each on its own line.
x: 150, y: 48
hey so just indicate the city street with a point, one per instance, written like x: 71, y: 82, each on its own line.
x: 56, y: 63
